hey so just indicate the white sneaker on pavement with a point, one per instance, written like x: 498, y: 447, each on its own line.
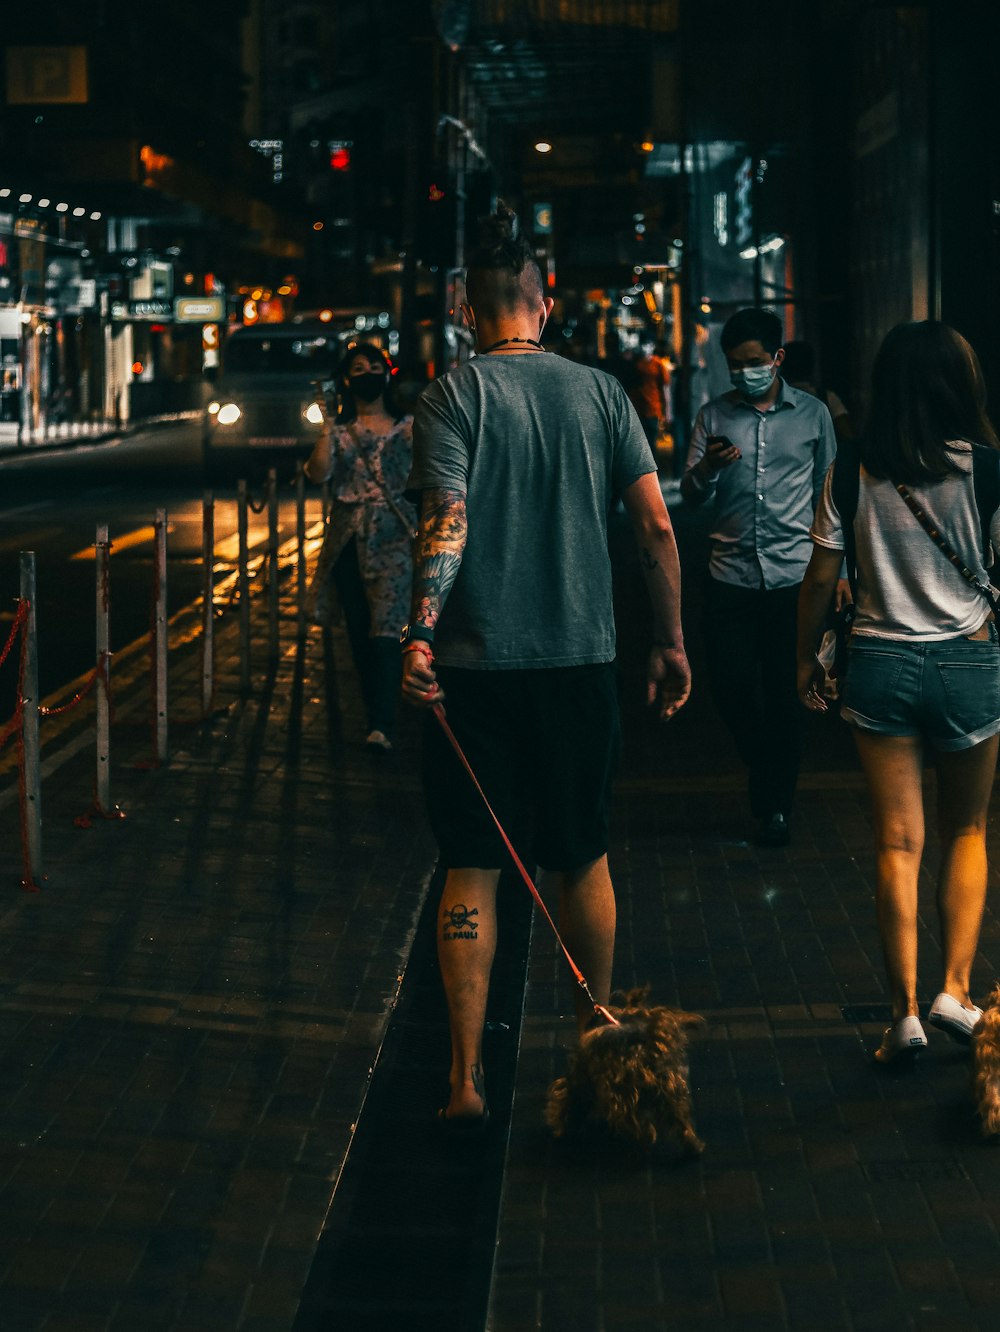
x: 902, y: 1041
x: 949, y: 1015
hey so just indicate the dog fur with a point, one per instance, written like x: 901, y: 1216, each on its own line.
x: 986, y: 1065
x: 632, y: 1079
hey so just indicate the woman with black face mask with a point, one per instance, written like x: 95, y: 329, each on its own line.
x: 365, y: 454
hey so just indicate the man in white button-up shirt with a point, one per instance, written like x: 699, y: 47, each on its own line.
x: 759, y: 455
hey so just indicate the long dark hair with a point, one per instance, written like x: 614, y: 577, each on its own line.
x: 348, y: 405
x: 927, y: 389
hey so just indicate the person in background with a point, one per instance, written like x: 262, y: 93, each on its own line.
x: 648, y: 390
x: 923, y: 671
x: 758, y: 456
x: 365, y: 454
x: 519, y: 455
x: 799, y: 370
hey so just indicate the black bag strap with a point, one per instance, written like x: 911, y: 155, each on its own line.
x: 947, y: 549
x: 847, y: 481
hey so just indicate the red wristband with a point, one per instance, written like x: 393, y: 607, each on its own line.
x: 418, y: 645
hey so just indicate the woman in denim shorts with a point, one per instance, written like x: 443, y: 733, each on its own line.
x: 924, y: 662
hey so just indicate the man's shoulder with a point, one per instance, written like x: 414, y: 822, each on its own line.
x: 578, y: 374
x: 556, y: 372
x: 441, y: 393
x: 726, y: 402
x: 806, y: 403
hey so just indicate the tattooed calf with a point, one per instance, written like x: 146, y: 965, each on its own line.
x: 458, y: 922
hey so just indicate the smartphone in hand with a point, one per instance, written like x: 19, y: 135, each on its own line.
x: 720, y: 442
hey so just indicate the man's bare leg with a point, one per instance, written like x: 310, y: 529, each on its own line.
x: 466, y: 939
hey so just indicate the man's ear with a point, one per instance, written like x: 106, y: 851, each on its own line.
x: 779, y: 356
x: 547, y: 303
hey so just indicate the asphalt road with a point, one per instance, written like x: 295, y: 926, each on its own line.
x: 52, y: 501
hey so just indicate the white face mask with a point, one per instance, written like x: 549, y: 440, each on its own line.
x: 753, y: 380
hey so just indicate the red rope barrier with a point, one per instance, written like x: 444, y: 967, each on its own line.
x: 75, y: 701
x: 20, y: 620
x: 258, y: 508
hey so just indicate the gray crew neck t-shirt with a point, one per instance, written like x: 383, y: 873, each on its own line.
x: 540, y: 447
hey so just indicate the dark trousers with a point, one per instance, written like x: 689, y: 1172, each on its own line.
x: 376, y: 660
x: 750, y: 637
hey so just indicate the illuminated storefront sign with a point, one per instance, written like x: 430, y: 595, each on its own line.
x: 200, y: 309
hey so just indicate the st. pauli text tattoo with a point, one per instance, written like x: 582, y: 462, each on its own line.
x: 458, y: 923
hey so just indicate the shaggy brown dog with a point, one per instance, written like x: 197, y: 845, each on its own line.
x: 986, y: 1065
x: 631, y: 1078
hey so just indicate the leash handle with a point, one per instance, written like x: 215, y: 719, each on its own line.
x: 438, y: 711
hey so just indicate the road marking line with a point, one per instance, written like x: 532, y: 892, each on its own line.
x: 26, y: 508
x: 140, y: 536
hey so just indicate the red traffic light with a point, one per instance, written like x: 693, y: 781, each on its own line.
x: 435, y: 194
x: 340, y: 158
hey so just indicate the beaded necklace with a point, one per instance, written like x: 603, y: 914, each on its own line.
x: 506, y: 342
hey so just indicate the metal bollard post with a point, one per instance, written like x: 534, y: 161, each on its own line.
x: 102, y: 548
x: 207, y: 602
x: 272, y: 565
x: 160, y: 634
x: 243, y: 583
x: 29, y: 723
x: 300, y: 542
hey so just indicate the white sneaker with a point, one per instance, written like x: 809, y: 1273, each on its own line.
x: 902, y: 1041
x: 954, y: 1018
x: 379, y: 740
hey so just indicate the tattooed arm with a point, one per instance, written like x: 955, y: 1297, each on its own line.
x: 440, y: 547
x: 668, y: 674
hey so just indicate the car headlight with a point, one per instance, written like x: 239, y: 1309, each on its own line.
x: 213, y: 408
x: 314, y: 414
x: 228, y: 413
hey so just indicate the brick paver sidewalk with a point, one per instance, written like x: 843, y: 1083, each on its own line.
x: 831, y: 1194
x: 190, y: 1007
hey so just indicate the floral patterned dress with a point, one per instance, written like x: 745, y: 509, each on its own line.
x: 359, y: 509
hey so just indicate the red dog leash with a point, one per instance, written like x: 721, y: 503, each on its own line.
x: 438, y: 711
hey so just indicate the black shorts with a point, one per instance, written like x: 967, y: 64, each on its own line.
x: 544, y: 745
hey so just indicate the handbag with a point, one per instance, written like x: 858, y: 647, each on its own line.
x: 948, y: 550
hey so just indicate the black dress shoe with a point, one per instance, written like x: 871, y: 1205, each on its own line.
x: 773, y: 831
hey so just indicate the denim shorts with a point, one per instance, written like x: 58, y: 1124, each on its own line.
x: 947, y: 691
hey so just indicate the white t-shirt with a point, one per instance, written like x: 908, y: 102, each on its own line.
x: 907, y: 588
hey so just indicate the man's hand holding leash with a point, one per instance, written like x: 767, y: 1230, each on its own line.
x: 420, y: 686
